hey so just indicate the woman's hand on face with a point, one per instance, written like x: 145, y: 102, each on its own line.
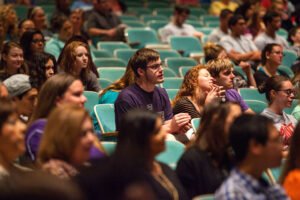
x: 59, y: 168
x: 246, y: 67
x: 217, y: 92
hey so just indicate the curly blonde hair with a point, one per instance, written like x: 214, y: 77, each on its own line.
x: 190, y: 84
x: 9, y: 28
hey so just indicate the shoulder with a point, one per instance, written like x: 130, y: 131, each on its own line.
x: 291, y: 184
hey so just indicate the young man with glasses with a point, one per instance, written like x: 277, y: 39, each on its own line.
x: 257, y: 146
x: 148, y: 71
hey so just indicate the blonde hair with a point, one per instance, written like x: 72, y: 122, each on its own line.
x: 217, y: 65
x: 212, y: 51
x: 62, y: 133
x: 11, y: 29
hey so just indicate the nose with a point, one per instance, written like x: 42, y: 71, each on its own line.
x: 83, y: 99
x: 21, y: 127
x: 232, y: 75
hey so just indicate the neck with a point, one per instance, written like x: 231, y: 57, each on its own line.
x: 276, y: 108
x: 270, y: 69
x: 224, y: 28
x: 145, y: 86
x: 12, y: 71
x: 248, y: 167
x: 296, y: 44
x: 5, y: 163
x: 235, y: 35
x: 270, y: 32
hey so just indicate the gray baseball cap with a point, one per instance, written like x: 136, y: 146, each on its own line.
x: 17, y: 84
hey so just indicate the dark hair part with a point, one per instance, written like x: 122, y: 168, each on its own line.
x: 234, y: 20
x: 6, y: 109
x: 292, y: 33
x: 133, y: 146
x: 37, y: 67
x: 26, y: 40
x: 272, y: 83
x: 245, y: 128
x: 269, y: 16
x: 292, y: 162
x: 267, y: 49
x: 225, y: 12
x: 179, y: 9
x: 211, y: 130
x: 142, y: 57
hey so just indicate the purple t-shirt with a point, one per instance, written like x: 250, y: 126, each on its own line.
x: 34, y: 135
x: 232, y: 95
x: 135, y: 97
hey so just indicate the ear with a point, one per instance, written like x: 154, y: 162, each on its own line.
x: 141, y: 72
x: 255, y: 148
x: 58, y: 101
x: 4, y: 56
x: 268, y: 55
x: 272, y: 94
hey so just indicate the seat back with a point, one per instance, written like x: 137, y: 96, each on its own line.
x: 183, y: 70
x: 111, y: 73
x: 101, y: 53
x: 289, y: 57
x: 256, y: 105
x: 124, y: 54
x: 164, y: 53
x: 92, y: 100
x: 172, y: 153
x: 109, y: 62
x: 175, y: 63
x: 111, y: 46
x: 104, y: 83
x: 195, y: 124
x: 172, y: 93
x: 147, y: 18
x: 140, y: 37
x: 105, y: 114
x: 109, y: 147
x: 186, y: 44
x: 157, y: 24
x: 172, y: 83
x: 252, y: 94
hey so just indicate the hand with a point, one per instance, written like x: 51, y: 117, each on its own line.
x: 246, y: 67
x: 111, y: 32
x: 184, y: 128
x: 59, y: 168
x: 179, y: 120
x: 213, y: 94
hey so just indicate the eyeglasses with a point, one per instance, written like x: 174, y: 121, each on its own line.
x: 289, y: 92
x: 155, y: 67
x: 38, y: 40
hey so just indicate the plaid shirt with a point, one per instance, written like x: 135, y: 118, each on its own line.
x: 241, y: 186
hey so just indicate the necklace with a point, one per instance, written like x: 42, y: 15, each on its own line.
x: 164, y: 181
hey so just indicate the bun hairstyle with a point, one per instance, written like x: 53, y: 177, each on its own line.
x: 272, y: 83
x: 212, y: 51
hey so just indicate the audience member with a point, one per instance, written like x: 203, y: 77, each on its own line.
x: 25, y: 25
x: 218, y: 33
x: 272, y: 22
x: 144, y: 93
x: 271, y: 58
x: 61, y: 89
x: 280, y: 94
x: 207, y: 163
x: 284, y: 8
x: 239, y: 47
x: 37, y: 15
x: 141, y: 139
x: 213, y: 51
x: 23, y: 92
x: 32, y: 41
x: 118, y: 7
x: 76, y: 18
x: 216, y: 7
x: 42, y: 67
x: 257, y: 147
x: 2, y: 32
x: 12, y: 61
x: 67, y: 141
x: 294, y: 39
x: 85, y: 5
x: 103, y: 23
x: 76, y: 60
x: 8, y: 13
x: 196, y: 91
x: 63, y: 27
x: 290, y: 173
x: 222, y: 71
x: 178, y: 27
x: 11, y: 138
x: 62, y: 8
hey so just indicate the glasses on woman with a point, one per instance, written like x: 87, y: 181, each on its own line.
x: 289, y: 92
